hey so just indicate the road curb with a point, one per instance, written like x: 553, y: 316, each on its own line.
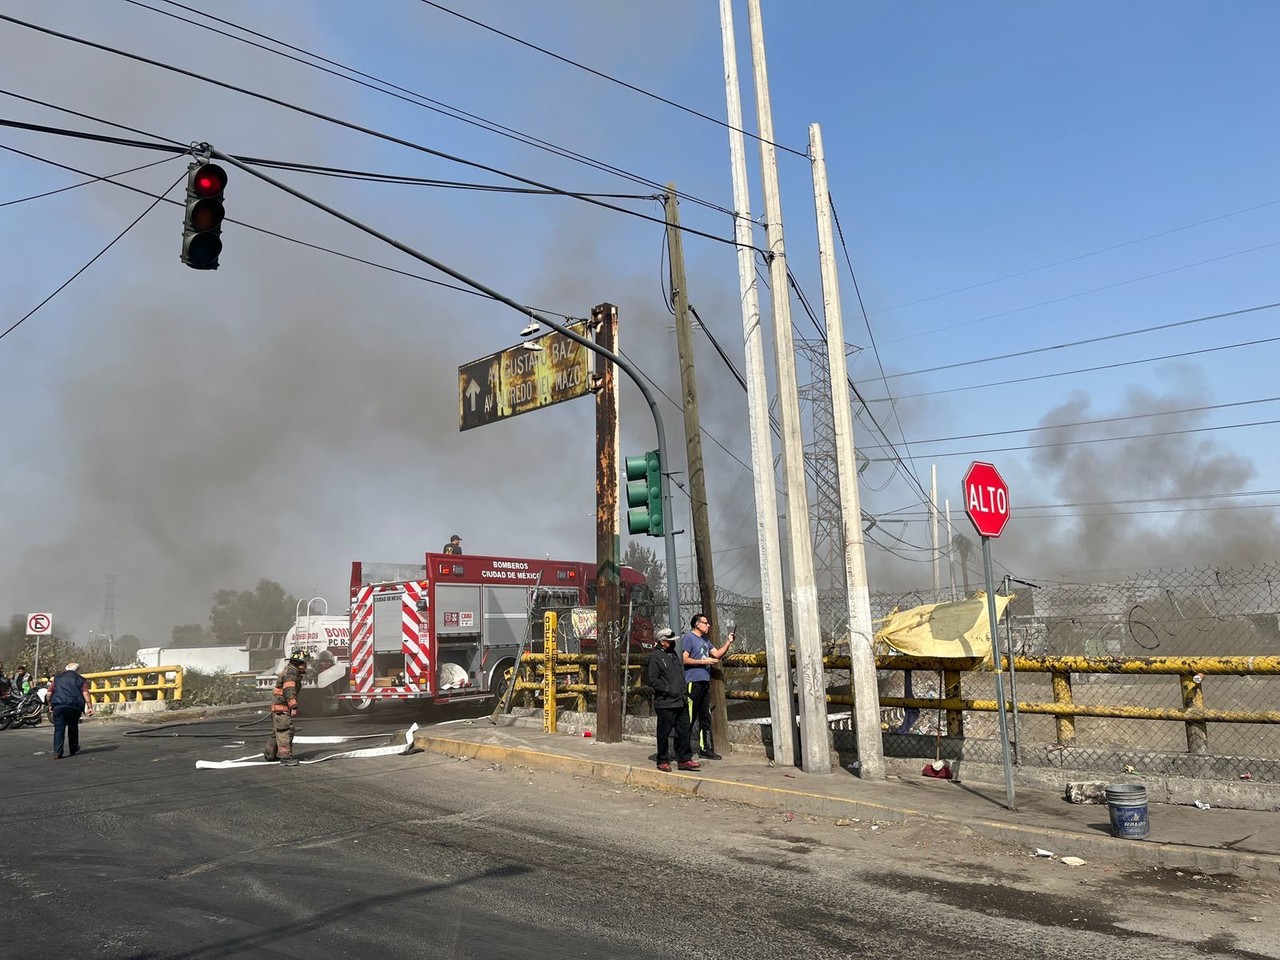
x: 1169, y: 856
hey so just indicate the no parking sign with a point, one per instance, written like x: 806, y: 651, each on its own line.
x: 39, y: 624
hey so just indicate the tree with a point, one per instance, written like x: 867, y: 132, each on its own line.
x: 237, y: 612
x: 126, y: 648
x: 645, y: 560
x: 190, y: 635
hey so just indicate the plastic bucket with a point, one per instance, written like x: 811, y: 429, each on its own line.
x: 1127, y: 805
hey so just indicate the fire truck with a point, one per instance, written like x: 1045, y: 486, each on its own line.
x: 448, y: 629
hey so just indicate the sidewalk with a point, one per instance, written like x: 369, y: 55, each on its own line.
x: 1215, y: 841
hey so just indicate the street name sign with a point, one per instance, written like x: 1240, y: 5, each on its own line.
x: 518, y: 379
x: 986, y: 499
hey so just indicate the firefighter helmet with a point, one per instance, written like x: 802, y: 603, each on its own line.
x: 298, y: 656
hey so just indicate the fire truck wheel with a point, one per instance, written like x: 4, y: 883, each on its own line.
x: 363, y: 705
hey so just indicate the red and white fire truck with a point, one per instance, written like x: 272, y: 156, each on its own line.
x: 448, y: 629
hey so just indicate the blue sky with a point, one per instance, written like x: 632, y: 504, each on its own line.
x: 1009, y: 178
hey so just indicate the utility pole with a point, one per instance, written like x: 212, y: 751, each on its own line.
x: 814, y: 740
x: 933, y: 527
x: 693, y: 449
x: 604, y: 318
x: 862, y: 660
x: 782, y: 714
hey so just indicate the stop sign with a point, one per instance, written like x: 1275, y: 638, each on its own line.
x: 986, y: 499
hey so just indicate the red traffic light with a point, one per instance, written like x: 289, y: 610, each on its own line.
x: 208, y: 180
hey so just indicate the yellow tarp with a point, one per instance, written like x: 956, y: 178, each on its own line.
x: 958, y: 629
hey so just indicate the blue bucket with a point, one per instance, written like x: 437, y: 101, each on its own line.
x: 1127, y: 805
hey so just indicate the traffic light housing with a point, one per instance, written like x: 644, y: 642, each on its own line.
x: 644, y: 494
x: 202, y: 228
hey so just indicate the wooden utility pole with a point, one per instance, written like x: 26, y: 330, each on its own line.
x: 604, y: 319
x: 693, y: 448
x: 815, y: 737
x: 782, y: 712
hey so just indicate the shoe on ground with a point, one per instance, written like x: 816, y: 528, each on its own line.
x: 269, y: 758
x: 710, y: 755
x: 57, y: 756
x: 689, y: 765
x: 288, y: 761
x: 664, y: 767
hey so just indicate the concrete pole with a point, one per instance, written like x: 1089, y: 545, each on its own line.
x: 815, y: 750
x: 933, y: 535
x: 951, y: 550
x: 782, y: 713
x: 862, y: 660
x: 693, y: 449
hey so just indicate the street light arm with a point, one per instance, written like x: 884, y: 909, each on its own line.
x: 673, y: 591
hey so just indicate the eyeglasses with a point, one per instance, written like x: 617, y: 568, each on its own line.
x: 706, y: 621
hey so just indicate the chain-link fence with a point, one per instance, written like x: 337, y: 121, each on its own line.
x: 1196, y: 612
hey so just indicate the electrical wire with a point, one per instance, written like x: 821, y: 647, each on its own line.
x: 611, y: 78
x: 380, y: 85
x: 85, y: 183
x: 281, y: 236
x: 1078, y: 257
x: 1100, y: 367
x: 66, y: 283
x: 1087, y: 342
x: 1090, y: 423
x: 292, y: 165
x: 349, y: 125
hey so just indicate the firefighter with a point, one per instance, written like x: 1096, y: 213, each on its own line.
x: 284, y: 707
x: 454, y: 545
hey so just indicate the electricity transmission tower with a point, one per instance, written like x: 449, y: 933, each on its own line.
x: 107, y: 626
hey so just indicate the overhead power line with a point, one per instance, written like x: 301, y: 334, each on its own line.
x: 349, y: 125
x: 1091, y: 340
x: 609, y: 77
x: 66, y: 283
x: 380, y: 85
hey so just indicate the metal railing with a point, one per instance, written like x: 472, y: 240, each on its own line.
x: 575, y: 677
x: 135, y: 685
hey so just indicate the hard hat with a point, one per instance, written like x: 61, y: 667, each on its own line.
x: 298, y: 656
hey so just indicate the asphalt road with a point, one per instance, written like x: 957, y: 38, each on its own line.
x: 128, y: 851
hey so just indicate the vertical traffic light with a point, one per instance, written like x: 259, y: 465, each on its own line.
x: 202, y: 228
x: 644, y: 494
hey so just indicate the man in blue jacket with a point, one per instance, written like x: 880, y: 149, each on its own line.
x: 67, y: 702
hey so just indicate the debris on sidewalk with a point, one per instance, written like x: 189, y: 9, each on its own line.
x: 1201, y: 805
x: 1086, y: 791
x: 1073, y: 861
x: 1129, y: 768
x: 938, y: 769
x: 1040, y: 852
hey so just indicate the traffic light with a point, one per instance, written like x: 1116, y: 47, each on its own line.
x: 644, y: 494
x: 202, y: 229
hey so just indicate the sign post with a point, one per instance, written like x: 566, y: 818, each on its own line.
x: 39, y: 625
x: 986, y: 501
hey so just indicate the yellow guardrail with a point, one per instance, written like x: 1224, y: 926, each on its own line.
x: 135, y: 685
x: 1190, y: 672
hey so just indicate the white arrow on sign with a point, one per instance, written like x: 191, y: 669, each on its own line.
x: 473, y: 391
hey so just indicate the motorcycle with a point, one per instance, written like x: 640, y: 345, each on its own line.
x: 19, y: 710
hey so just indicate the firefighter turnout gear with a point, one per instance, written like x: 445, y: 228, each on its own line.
x: 284, y: 707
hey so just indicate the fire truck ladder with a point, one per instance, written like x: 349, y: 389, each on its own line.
x: 504, y: 703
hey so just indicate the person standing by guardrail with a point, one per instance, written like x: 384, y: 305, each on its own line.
x: 666, y: 676
x: 699, y: 656
x: 284, y: 707
x: 67, y: 703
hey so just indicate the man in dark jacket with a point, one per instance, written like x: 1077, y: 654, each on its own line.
x: 67, y: 701
x: 284, y: 707
x: 665, y: 675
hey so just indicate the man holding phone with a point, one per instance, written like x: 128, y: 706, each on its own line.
x: 698, y: 656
